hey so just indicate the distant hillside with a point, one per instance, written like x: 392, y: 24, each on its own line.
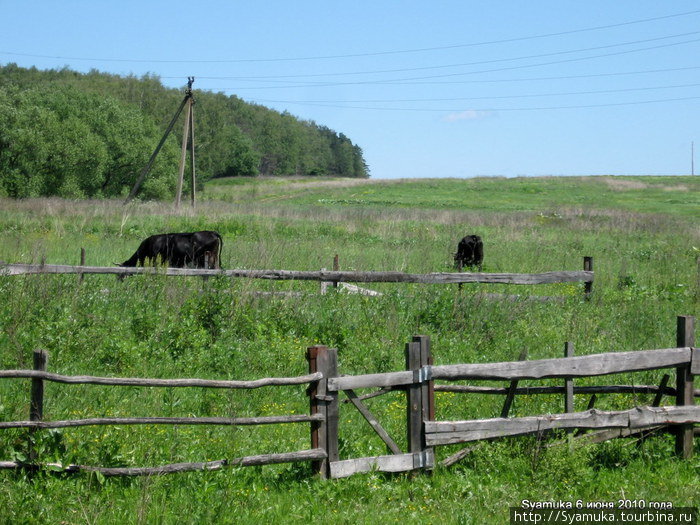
x: 88, y: 135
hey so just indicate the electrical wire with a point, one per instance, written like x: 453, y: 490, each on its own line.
x: 490, y: 97
x: 358, y: 55
x: 497, y: 110
x: 476, y: 63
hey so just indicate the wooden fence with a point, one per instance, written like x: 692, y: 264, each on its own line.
x: 423, y: 431
x: 324, y: 276
x: 36, y: 420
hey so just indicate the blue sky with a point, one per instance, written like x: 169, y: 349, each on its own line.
x: 426, y: 89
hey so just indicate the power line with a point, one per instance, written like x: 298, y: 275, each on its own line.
x: 490, y: 97
x: 358, y: 55
x: 462, y: 64
x: 407, y: 81
x: 476, y: 81
x: 495, y: 110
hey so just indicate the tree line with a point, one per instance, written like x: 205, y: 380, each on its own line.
x: 86, y: 135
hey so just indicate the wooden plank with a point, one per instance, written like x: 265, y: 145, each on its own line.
x: 135, y: 381
x: 99, y: 421
x: 449, y: 432
x: 651, y: 416
x: 362, y: 408
x: 392, y: 463
x: 581, y: 366
x: 247, y: 461
x: 370, y: 381
x: 535, y: 390
x: 324, y: 275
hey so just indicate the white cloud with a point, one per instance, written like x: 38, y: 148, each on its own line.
x: 470, y: 114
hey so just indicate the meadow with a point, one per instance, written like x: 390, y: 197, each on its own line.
x: 644, y: 236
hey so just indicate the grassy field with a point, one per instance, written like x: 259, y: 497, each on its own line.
x: 643, y: 233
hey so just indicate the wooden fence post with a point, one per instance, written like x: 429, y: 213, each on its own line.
x: 414, y: 411
x: 685, y: 336
x: 324, y: 434
x: 427, y: 398
x: 82, y: 263
x: 36, y: 403
x: 588, y: 285
x: 420, y: 400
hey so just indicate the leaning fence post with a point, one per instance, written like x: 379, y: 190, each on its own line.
x: 36, y: 403
x: 324, y: 433
x: 685, y: 337
x: 588, y: 285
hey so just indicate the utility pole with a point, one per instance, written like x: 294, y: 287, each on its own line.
x: 188, y: 133
x: 692, y: 158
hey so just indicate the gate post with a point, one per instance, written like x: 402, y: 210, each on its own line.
x: 420, y: 400
x: 324, y: 434
x: 685, y: 336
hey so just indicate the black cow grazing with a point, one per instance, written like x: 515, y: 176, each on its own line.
x: 470, y: 252
x: 179, y: 250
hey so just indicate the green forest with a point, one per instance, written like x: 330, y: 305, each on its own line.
x: 76, y: 135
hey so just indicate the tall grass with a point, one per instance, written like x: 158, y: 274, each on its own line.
x: 646, y: 275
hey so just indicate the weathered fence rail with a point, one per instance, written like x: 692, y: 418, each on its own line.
x: 135, y: 381
x: 450, y: 432
x: 321, y: 275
